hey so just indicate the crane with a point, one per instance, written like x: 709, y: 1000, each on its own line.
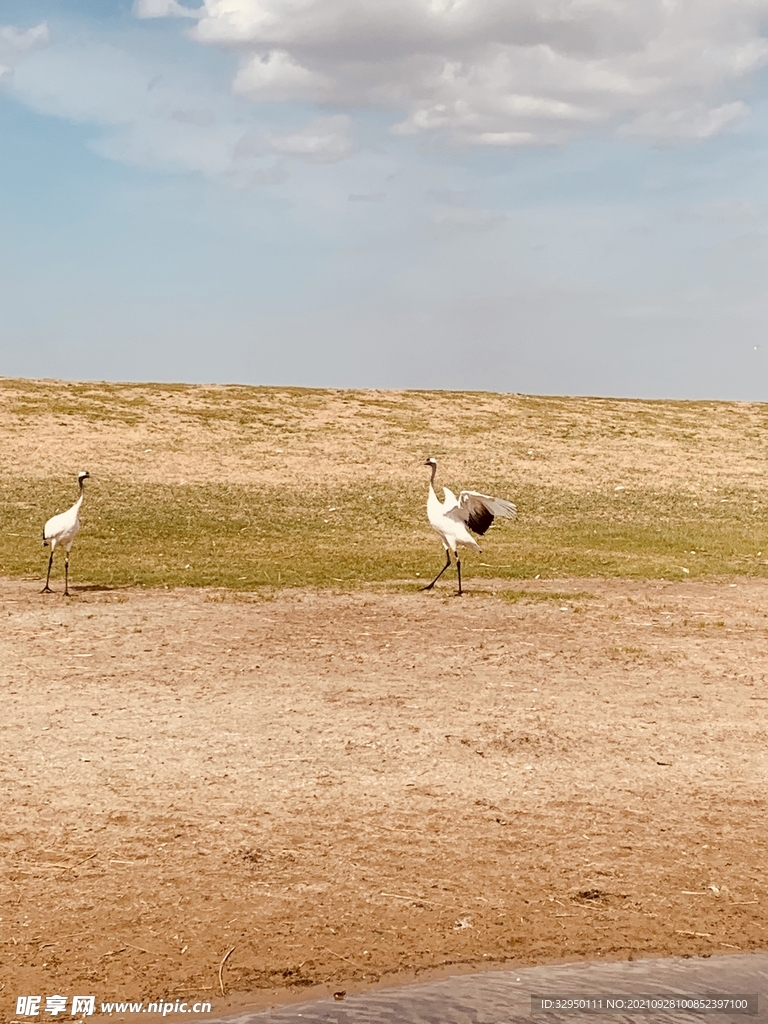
x: 453, y: 517
x: 62, y: 529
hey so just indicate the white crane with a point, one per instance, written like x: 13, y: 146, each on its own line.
x: 62, y: 529
x: 453, y: 517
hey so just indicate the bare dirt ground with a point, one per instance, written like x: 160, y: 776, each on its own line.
x: 345, y: 788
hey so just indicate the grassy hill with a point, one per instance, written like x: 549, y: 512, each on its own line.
x: 242, y: 487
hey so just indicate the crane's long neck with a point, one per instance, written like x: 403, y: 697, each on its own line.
x: 81, y: 495
x: 432, y: 498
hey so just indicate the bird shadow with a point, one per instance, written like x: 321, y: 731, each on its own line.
x: 92, y: 588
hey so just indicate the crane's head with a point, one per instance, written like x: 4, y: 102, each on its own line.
x: 431, y: 462
x: 83, y: 475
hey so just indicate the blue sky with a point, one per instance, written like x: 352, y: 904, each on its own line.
x: 541, y: 196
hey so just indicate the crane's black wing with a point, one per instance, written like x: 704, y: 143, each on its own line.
x: 477, y: 511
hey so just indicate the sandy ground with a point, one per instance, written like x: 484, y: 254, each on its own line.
x: 347, y: 788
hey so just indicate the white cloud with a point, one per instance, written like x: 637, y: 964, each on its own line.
x: 277, y: 76
x: 163, y: 9
x: 464, y: 218
x: 166, y: 115
x: 326, y: 140
x: 16, y: 43
x: 725, y: 211
x: 697, y: 122
x: 496, y: 73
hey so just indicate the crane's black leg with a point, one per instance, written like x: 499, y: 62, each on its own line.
x: 458, y: 570
x: 447, y: 564
x: 66, y: 575
x: 46, y: 589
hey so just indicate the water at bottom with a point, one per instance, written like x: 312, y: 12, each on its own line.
x: 660, y: 991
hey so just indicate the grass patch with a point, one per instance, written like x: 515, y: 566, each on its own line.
x: 123, y: 403
x: 515, y: 596
x: 244, y: 537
